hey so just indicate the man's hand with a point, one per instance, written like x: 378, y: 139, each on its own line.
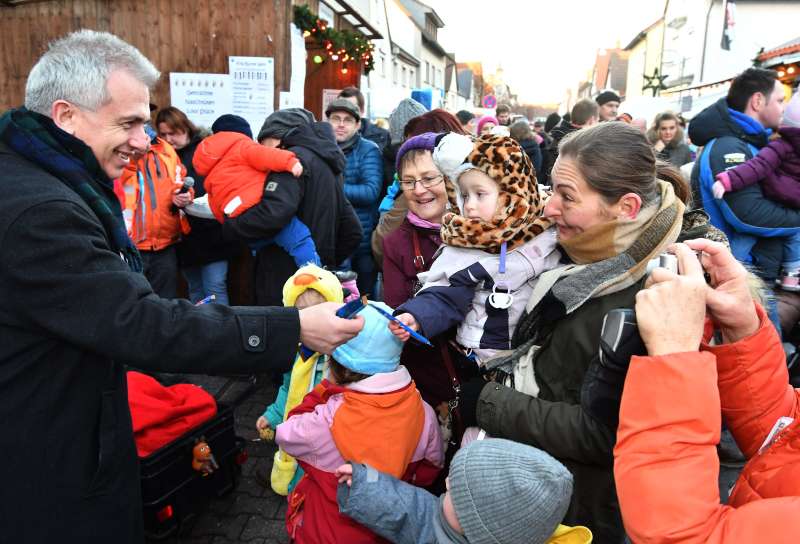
x: 400, y: 332
x: 728, y: 297
x: 322, y: 331
x: 345, y: 474
x: 671, y: 310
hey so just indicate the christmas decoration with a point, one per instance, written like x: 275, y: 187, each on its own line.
x: 338, y: 44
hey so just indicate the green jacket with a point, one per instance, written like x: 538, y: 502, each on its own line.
x: 555, y: 421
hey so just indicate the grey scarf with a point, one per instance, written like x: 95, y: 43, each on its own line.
x: 347, y: 145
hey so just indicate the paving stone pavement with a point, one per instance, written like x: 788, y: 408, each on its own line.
x: 250, y: 513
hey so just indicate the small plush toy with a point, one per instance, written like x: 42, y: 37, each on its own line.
x: 202, y: 459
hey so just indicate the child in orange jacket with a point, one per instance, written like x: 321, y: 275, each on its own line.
x: 235, y: 169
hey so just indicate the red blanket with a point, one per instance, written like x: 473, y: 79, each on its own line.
x: 162, y: 414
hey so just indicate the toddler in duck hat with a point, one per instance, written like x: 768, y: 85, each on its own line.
x: 368, y: 410
x: 309, y: 286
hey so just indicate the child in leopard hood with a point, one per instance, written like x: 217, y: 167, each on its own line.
x: 496, y: 245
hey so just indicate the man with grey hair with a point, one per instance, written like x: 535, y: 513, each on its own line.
x: 76, y: 309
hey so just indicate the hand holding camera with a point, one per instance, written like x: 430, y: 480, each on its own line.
x: 671, y: 310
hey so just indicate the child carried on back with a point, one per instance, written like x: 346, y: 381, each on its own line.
x: 496, y: 244
x: 235, y: 169
x: 368, y: 411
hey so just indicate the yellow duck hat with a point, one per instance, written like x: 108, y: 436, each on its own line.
x: 312, y: 277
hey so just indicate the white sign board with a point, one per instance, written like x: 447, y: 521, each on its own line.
x: 297, y: 84
x: 328, y: 96
x: 253, y: 88
x: 202, y: 97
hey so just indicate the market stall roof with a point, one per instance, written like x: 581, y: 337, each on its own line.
x: 792, y: 47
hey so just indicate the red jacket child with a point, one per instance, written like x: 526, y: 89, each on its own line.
x: 235, y: 168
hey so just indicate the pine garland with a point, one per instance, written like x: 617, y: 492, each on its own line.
x: 340, y: 45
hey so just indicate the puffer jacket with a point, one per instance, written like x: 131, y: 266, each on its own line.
x: 730, y: 138
x: 155, y: 225
x: 236, y: 166
x: 666, y: 463
x: 363, y: 181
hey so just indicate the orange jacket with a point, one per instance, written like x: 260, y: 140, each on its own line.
x: 154, y: 225
x: 234, y: 165
x: 666, y: 464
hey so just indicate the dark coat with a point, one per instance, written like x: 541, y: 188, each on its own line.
x: 399, y: 273
x: 557, y: 134
x: 531, y: 148
x: 363, y: 181
x: 204, y: 244
x: 751, y: 207
x: 555, y: 421
x: 677, y: 155
x: 72, y: 315
x: 316, y: 198
x: 777, y: 166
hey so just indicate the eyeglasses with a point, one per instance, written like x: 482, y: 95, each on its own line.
x: 341, y: 120
x: 427, y: 182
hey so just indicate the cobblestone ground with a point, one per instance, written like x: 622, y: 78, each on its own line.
x: 251, y: 513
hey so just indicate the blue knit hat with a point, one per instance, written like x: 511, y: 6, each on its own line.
x: 375, y: 349
x: 426, y: 140
x: 232, y: 123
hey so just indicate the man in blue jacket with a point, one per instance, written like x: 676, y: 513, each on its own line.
x: 363, y: 180
x: 731, y: 132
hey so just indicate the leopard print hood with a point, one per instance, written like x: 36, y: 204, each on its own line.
x: 520, y: 204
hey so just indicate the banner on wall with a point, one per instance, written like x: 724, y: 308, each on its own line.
x: 202, y: 97
x: 252, y: 88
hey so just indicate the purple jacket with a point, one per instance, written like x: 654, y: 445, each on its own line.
x: 399, y: 273
x: 777, y: 166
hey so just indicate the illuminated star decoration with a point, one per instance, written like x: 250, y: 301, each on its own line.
x: 654, y: 82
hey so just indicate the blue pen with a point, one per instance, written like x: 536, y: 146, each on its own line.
x: 414, y: 334
x: 209, y: 298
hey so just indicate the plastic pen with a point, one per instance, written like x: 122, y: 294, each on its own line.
x: 414, y: 334
x: 209, y: 298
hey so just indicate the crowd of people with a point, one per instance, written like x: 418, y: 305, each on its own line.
x: 437, y: 295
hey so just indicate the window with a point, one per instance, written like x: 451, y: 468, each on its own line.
x: 326, y: 13
x: 411, y: 81
x: 405, y: 77
x: 383, y: 65
x: 427, y: 71
x: 394, y: 72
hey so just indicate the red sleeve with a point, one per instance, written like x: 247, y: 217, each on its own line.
x: 754, y: 385
x: 665, y: 460
x: 268, y: 159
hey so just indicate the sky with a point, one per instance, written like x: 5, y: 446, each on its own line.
x: 543, y: 46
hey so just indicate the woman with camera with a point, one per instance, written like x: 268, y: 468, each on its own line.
x: 666, y: 463
x: 615, y: 209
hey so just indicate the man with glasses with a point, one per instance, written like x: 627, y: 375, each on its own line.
x: 363, y: 180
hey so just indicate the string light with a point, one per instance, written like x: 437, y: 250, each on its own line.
x: 790, y: 70
x: 317, y: 59
x: 344, y: 70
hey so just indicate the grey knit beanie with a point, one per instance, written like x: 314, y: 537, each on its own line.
x: 406, y: 110
x: 279, y: 123
x: 505, y: 492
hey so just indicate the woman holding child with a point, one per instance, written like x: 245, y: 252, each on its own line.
x: 614, y: 209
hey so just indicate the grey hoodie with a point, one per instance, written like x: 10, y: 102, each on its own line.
x: 395, y: 510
